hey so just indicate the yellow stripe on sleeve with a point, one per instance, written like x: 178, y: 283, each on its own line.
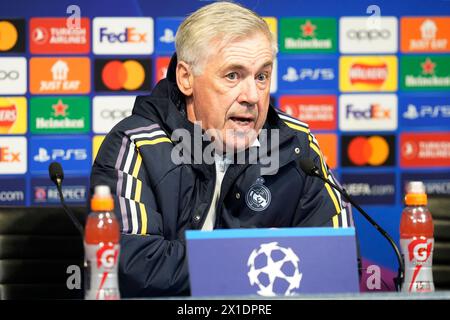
x: 143, y: 218
x: 296, y: 127
x: 152, y: 142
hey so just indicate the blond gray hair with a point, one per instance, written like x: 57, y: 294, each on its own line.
x: 220, y: 20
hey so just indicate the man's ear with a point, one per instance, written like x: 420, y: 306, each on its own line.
x: 185, y: 78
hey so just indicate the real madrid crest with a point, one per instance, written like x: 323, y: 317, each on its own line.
x: 258, y: 196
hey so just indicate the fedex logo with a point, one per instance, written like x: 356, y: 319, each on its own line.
x: 74, y: 153
x: 7, y: 155
x: 130, y: 35
x: 13, y: 155
x: 373, y: 111
x: 122, y: 35
x: 301, y: 73
x: 368, y: 112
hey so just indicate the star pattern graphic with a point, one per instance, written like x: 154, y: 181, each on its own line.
x: 308, y: 29
x: 428, y: 66
x: 59, y: 109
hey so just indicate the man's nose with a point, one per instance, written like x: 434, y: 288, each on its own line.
x: 249, y: 92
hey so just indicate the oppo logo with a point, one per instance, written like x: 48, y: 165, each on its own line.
x: 10, y: 75
x: 372, y: 34
x: 114, y: 114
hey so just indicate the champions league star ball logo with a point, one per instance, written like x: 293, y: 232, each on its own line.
x: 274, y: 270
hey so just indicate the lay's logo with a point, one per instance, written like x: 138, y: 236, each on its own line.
x: 13, y: 115
x: 368, y: 73
x: 373, y: 75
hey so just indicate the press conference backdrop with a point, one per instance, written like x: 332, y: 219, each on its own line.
x: 372, y: 79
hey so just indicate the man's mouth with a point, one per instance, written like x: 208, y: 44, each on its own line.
x: 243, y: 120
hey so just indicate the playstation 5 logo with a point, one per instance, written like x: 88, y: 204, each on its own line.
x: 69, y: 154
x: 308, y: 74
x: 168, y: 36
x: 411, y: 113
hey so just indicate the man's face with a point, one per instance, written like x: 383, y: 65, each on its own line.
x: 231, y: 96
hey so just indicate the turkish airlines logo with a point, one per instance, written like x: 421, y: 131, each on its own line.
x: 110, y: 110
x: 162, y: 65
x: 12, y: 35
x: 13, y: 75
x: 123, y: 35
x: 59, y: 75
x: 425, y: 149
x: 122, y: 75
x: 318, y: 111
x: 13, y: 155
x: 373, y: 151
x: 361, y: 35
x: 51, y: 35
x: 366, y: 112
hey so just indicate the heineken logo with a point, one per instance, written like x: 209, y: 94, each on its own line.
x: 425, y: 73
x: 371, y: 74
x: 308, y: 35
x: 308, y: 29
x: 60, y: 115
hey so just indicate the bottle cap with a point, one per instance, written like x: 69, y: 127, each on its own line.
x: 415, y: 194
x: 102, y: 199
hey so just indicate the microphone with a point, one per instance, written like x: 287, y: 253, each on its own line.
x: 308, y: 167
x: 56, y: 173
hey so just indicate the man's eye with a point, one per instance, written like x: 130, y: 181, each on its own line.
x: 232, y: 76
x: 261, y: 77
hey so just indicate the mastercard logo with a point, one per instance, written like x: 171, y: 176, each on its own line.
x: 11, y: 36
x: 122, y: 75
x: 368, y: 151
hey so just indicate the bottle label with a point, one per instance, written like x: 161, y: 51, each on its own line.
x: 102, y: 268
x: 418, y: 256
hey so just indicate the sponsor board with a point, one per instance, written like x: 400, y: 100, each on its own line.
x: 368, y: 112
x: 367, y: 150
x: 370, y: 188
x: 437, y: 184
x: 13, y: 155
x: 122, y: 35
x: 56, y: 36
x: 368, y: 35
x: 60, y: 115
x: 13, y: 115
x: 368, y: 73
x: 13, y: 75
x: 161, y: 67
x: 308, y: 35
x: 425, y: 34
x: 60, y: 75
x: 272, y: 22
x: 122, y: 75
x: 12, y: 35
x: 165, y: 31
x: 425, y: 73
x: 318, y: 111
x: 12, y: 192
x: 44, y: 192
x: 307, y: 74
x: 424, y: 111
x: 328, y: 145
x: 109, y: 110
x: 96, y: 143
x: 73, y: 152
x: 425, y: 149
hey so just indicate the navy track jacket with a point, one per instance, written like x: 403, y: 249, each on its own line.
x: 156, y: 200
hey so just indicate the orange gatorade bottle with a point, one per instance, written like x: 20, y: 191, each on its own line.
x: 101, y: 244
x: 417, y: 240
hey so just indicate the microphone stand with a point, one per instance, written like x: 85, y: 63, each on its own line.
x: 400, y: 273
x: 67, y: 210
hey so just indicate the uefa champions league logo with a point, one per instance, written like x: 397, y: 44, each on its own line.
x: 274, y: 270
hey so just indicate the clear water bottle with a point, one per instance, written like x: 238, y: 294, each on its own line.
x: 417, y: 240
x: 101, y: 245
